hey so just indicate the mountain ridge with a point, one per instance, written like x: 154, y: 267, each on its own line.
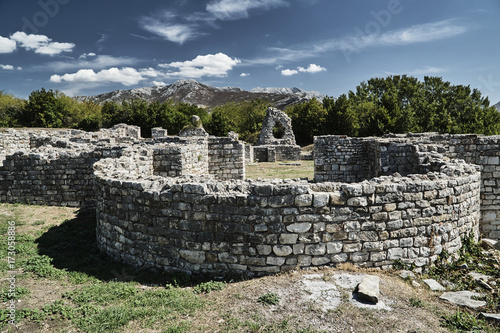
x: 202, y: 95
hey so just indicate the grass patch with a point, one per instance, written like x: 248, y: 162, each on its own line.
x: 269, y: 299
x: 206, y: 287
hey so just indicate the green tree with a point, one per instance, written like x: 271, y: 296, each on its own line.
x: 341, y: 118
x: 43, y: 110
x: 11, y: 109
x: 307, y: 120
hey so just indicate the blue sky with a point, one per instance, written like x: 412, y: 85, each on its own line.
x: 90, y: 47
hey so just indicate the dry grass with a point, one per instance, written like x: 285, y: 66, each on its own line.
x: 233, y: 309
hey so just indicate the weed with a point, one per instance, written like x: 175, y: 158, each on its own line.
x: 18, y: 293
x: 41, y: 266
x: 416, y: 302
x: 178, y: 328
x: 209, y: 286
x: 462, y: 321
x: 102, y: 293
x: 269, y: 299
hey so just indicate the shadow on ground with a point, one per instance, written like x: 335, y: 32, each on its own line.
x: 72, y: 246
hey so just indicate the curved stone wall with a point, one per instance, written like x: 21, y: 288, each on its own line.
x: 255, y: 228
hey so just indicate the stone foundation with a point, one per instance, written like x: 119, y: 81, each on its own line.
x: 182, y: 204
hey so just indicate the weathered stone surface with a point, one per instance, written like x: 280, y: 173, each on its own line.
x: 434, y: 285
x: 494, y: 317
x: 369, y: 289
x: 463, y: 298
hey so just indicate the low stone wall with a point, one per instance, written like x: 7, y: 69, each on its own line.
x: 255, y: 228
x: 57, y: 177
x: 342, y: 159
x: 275, y: 153
x: 226, y: 158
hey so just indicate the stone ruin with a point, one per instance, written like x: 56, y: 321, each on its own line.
x: 183, y: 203
x: 276, y: 141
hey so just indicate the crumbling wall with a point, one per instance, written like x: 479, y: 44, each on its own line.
x: 226, y: 158
x: 270, y: 148
x: 255, y: 228
x: 342, y: 159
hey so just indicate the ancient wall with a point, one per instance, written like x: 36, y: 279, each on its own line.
x: 255, y: 228
x: 57, y: 177
x: 182, y: 204
x: 226, y: 158
x: 55, y: 167
x: 342, y: 159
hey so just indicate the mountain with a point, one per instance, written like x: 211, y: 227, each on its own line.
x: 193, y: 92
x: 497, y: 106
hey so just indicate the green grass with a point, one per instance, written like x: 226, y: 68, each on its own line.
x: 269, y: 299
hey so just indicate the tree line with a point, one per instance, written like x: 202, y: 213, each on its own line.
x: 395, y: 104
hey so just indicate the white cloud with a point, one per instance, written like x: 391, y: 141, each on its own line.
x: 289, y: 72
x: 7, y: 67
x: 203, y: 65
x: 7, y: 45
x: 158, y: 83
x: 354, y: 43
x: 87, y: 55
x: 30, y: 42
x: 244, y: 74
x: 313, y: 68
x: 55, y: 48
x: 237, y: 9
x: 41, y: 44
x: 127, y: 76
x: 97, y: 62
x: 427, y: 70
x: 165, y: 27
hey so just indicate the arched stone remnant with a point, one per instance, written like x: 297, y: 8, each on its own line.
x: 276, y: 141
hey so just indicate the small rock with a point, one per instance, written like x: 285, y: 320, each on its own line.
x: 368, y: 289
x: 406, y: 274
x: 488, y: 244
x: 415, y: 284
x: 463, y: 298
x: 479, y: 277
x: 434, y: 285
x: 464, y: 266
x: 448, y: 284
x: 495, y: 317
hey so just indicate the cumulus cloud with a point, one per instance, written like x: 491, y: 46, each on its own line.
x: 41, y: 44
x: 158, y: 83
x: 7, y: 45
x: 244, y: 74
x: 237, y: 9
x: 313, y: 68
x: 217, y: 65
x: 127, y: 76
x: 289, y: 72
x: 87, y: 55
x: 7, y: 67
x: 203, y: 65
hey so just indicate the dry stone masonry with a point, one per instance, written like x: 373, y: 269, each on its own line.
x: 183, y: 203
x: 270, y: 148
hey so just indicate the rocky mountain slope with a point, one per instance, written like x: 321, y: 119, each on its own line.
x: 193, y: 92
x: 497, y: 106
